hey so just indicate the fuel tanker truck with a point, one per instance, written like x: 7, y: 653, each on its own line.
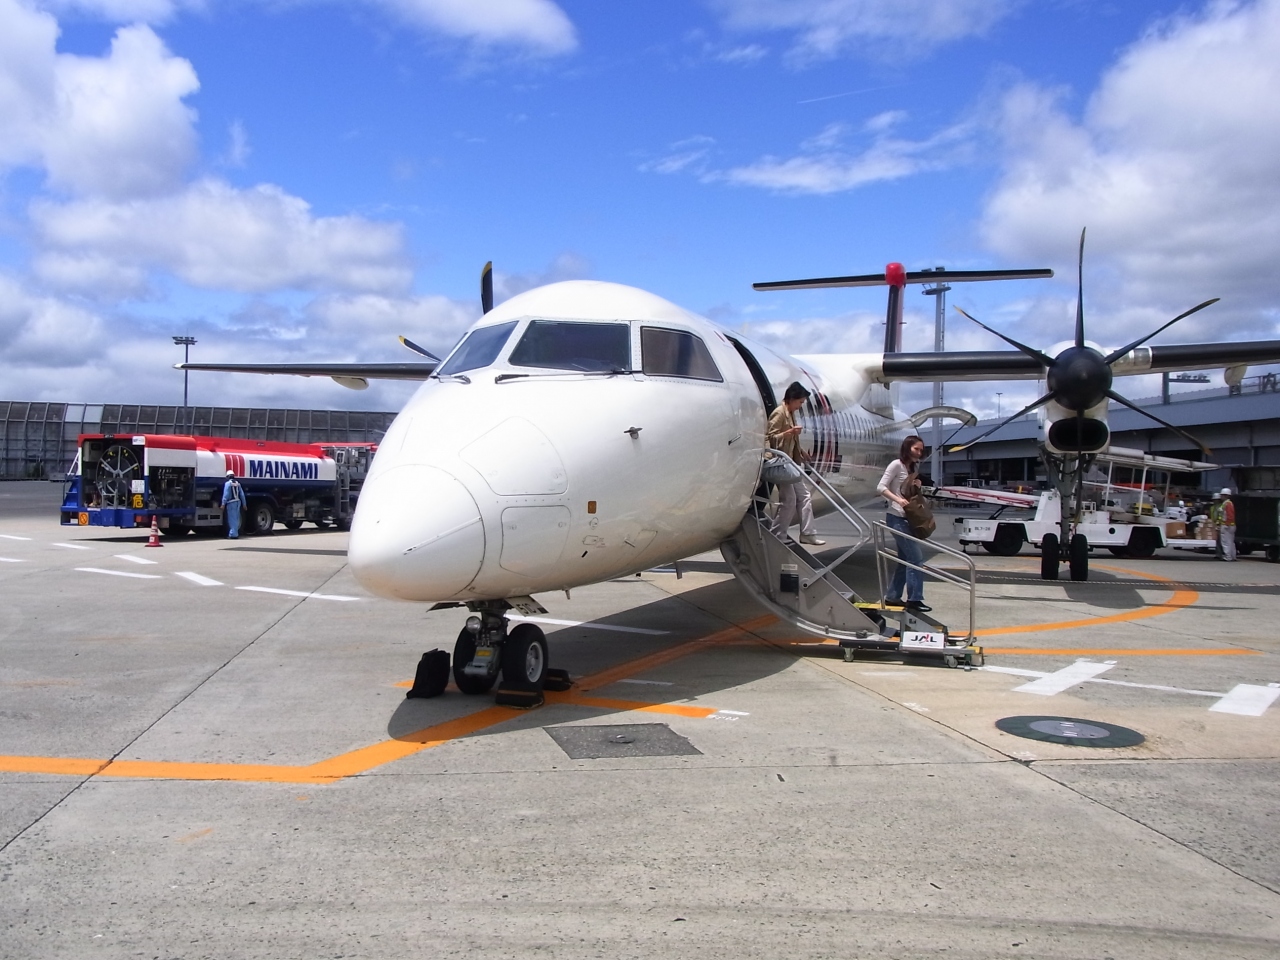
x: 125, y: 480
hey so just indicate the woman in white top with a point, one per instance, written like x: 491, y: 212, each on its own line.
x: 896, y: 487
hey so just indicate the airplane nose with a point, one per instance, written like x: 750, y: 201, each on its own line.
x: 416, y: 535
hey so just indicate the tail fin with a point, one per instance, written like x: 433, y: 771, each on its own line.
x: 896, y: 277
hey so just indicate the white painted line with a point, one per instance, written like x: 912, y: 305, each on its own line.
x: 120, y: 573
x: 1014, y: 671
x: 10, y: 560
x: 650, y: 683
x: 133, y: 559
x: 298, y: 593
x: 196, y: 578
x: 1064, y: 679
x: 736, y: 713
x: 1247, y: 700
x: 10, y: 536
x: 589, y: 626
x: 73, y: 546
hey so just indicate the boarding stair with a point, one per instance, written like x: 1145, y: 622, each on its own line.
x: 803, y: 590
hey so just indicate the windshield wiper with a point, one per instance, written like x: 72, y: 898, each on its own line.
x: 461, y: 378
x: 563, y: 373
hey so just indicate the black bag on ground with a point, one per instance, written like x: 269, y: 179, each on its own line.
x: 432, y: 676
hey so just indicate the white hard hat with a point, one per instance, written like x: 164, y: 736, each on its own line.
x: 231, y: 473
x: 1226, y: 491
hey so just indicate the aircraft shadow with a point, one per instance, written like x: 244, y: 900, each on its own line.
x: 670, y: 676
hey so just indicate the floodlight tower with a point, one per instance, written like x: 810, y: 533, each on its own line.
x: 939, y: 342
x: 185, y: 343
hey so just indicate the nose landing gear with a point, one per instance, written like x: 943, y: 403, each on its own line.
x: 485, y: 646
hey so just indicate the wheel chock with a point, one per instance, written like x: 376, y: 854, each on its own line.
x: 557, y: 680
x: 520, y: 699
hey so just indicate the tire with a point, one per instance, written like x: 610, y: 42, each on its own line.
x: 293, y: 523
x: 1078, y: 557
x: 1142, y: 544
x: 1273, y: 554
x: 260, y: 519
x: 1121, y: 552
x: 464, y: 652
x: 1049, y: 557
x: 322, y: 524
x: 524, y: 658
x: 1007, y: 543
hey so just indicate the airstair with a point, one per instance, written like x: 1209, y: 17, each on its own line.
x: 803, y: 590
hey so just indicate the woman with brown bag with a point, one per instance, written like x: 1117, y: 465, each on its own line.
x: 900, y: 482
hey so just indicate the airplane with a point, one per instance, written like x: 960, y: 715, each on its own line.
x: 586, y: 430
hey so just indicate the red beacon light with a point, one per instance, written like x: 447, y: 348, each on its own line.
x: 895, y: 275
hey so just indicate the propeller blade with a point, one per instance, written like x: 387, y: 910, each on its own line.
x: 421, y: 351
x: 1029, y: 351
x: 1164, y: 423
x: 486, y: 287
x: 1117, y: 354
x: 1080, y: 294
x: 1025, y: 410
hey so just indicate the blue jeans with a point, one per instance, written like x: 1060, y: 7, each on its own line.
x: 909, y: 551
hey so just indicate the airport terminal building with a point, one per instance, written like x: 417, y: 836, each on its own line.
x: 1240, y: 426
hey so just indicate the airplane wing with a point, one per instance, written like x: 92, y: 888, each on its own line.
x: 1015, y: 365
x: 353, y: 375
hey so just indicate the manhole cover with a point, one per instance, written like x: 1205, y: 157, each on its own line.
x: 597, y: 741
x: 1070, y: 731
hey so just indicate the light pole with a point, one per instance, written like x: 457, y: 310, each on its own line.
x: 939, y: 341
x: 998, y: 396
x: 185, y: 343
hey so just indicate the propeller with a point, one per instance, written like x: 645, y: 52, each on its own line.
x: 486, y: 287
x: 1080, y: 377
x: 421, y: 351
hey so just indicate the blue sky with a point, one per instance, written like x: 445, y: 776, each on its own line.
x: 306, y: 180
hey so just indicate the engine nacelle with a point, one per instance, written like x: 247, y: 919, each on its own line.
x: 1066, y: 433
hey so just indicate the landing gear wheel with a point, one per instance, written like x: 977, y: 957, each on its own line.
x: 464, y: 651
x: 293, y: 523
x: 1049, y: 557
x: 1078, y: 556
x: 524, y: 658
x: 261, y: 519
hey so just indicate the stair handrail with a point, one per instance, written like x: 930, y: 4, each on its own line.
x: 862, y: 526
x: 883, y: 555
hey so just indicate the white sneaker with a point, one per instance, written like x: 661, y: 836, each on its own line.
x: 810, y: 539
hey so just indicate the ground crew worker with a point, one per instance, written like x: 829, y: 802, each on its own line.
x: 233, y: 501
x: 1224, y: 514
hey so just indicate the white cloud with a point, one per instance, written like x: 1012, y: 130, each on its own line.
x: 566, y: 266
x: 44, y: 330
x: 823, y: 167
x: 749, y: 54
x: 691, y: 152
x: 824, y: 29
x: 113, y: 125
x: 539, y: 26
x: 1172, y: 166
x: 216, y: 236
x: 238, y: 148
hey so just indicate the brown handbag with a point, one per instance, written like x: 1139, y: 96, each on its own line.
x: 917, y: 512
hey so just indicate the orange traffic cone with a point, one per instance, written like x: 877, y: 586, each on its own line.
x: 155, y: 533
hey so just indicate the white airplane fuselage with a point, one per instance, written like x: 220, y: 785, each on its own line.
x: 520, y: 474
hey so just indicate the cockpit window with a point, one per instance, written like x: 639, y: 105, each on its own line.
x: 479, y: 349
x: 564, y: 345
x: 674, y: 353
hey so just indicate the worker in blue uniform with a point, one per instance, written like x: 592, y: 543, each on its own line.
x: 233, y: 501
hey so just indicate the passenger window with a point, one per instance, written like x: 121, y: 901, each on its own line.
x: 674, y: 353
x: 564, y: 345
x: 479, y: 349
